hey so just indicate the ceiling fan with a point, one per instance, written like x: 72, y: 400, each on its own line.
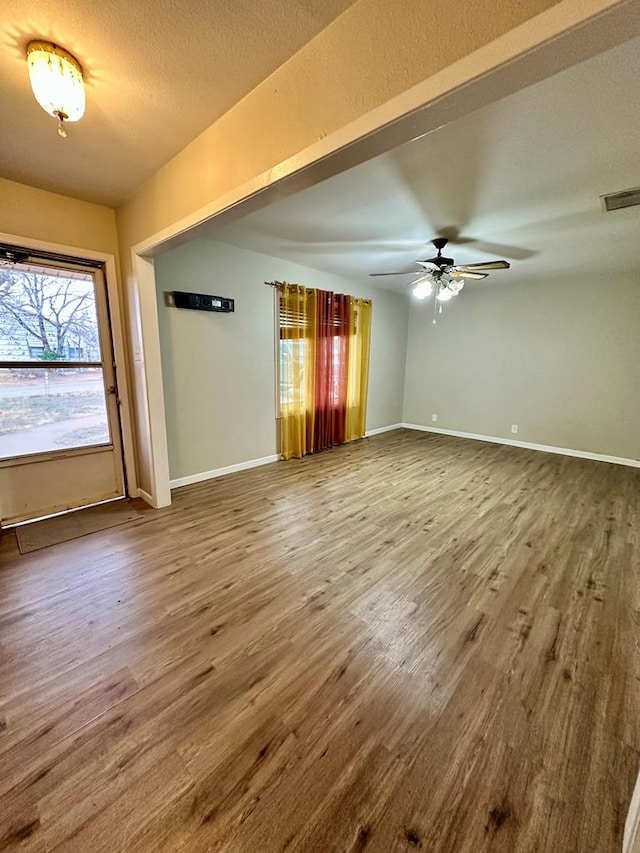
x: 443, y: 273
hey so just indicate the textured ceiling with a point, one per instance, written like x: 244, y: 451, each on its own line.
x: 520, y: 179
x: 157, y: 75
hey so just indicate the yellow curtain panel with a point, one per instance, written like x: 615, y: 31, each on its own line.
x: 297, y: 375
x: 358, y: 381
x: 323, y: 368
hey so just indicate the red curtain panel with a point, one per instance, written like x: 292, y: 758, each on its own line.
x: 333, y: 316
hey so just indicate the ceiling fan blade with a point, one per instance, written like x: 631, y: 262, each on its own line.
x: 453, y: 235
x: 398, y: 272
x: 486, y: 265
x: 464, y: 273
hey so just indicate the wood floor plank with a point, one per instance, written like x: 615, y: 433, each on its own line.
x: 411, y: 642
x: 113, y: 827
x: 24, y: 740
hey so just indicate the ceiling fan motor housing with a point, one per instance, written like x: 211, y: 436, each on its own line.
x: 439, y: 261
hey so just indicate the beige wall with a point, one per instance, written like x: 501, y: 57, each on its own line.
x: 218, y: 369
x: 39, y: 215
x: 558, y: 357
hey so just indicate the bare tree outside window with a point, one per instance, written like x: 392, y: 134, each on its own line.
x: 49, y: 316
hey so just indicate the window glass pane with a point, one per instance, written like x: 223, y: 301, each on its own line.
x: 292, y: 373
x: 51, y: 409
x: 47, y: 315
x: 286, y: 370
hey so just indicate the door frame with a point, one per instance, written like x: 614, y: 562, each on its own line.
x: 117, y: 337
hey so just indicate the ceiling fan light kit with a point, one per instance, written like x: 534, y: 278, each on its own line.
x: 422, y: 287
x: 56, y: 81
x: 444, y: 275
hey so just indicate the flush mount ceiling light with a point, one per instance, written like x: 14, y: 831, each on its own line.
x: 56, y: 81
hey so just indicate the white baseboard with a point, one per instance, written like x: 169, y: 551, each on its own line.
x: 220, y: 472
x: 243, y: 466
x: 383, y: 429
x: 545, y: 448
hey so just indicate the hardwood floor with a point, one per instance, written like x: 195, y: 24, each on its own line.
x: 411, y: 643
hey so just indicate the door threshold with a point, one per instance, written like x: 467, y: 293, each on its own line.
x: 63, y: 512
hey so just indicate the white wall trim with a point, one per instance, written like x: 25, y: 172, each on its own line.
x: 545, y: 448
x: 221, y: 472
x: 147, y: 367
x: 251, y: 463
x: 378, y: 430
x: 631, y: 840
x: 146, y: 497
x: 122, y: 381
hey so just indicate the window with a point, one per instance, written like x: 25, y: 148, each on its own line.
x: 290, y: 351
x: 323, y: 357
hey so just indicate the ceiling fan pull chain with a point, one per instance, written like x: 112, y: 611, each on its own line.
x: 435, y: 310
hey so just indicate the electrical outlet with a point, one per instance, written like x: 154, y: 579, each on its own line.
x: 434, y: 418
x: 514, y: 428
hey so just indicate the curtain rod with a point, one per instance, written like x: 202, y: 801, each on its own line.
x: 282, y: 284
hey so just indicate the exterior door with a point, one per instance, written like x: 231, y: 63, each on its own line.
x: 60, y: 438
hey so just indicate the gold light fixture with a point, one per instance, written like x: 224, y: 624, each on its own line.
x: 56, y: 81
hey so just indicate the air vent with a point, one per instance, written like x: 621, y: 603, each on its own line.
x: 626, y: 198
